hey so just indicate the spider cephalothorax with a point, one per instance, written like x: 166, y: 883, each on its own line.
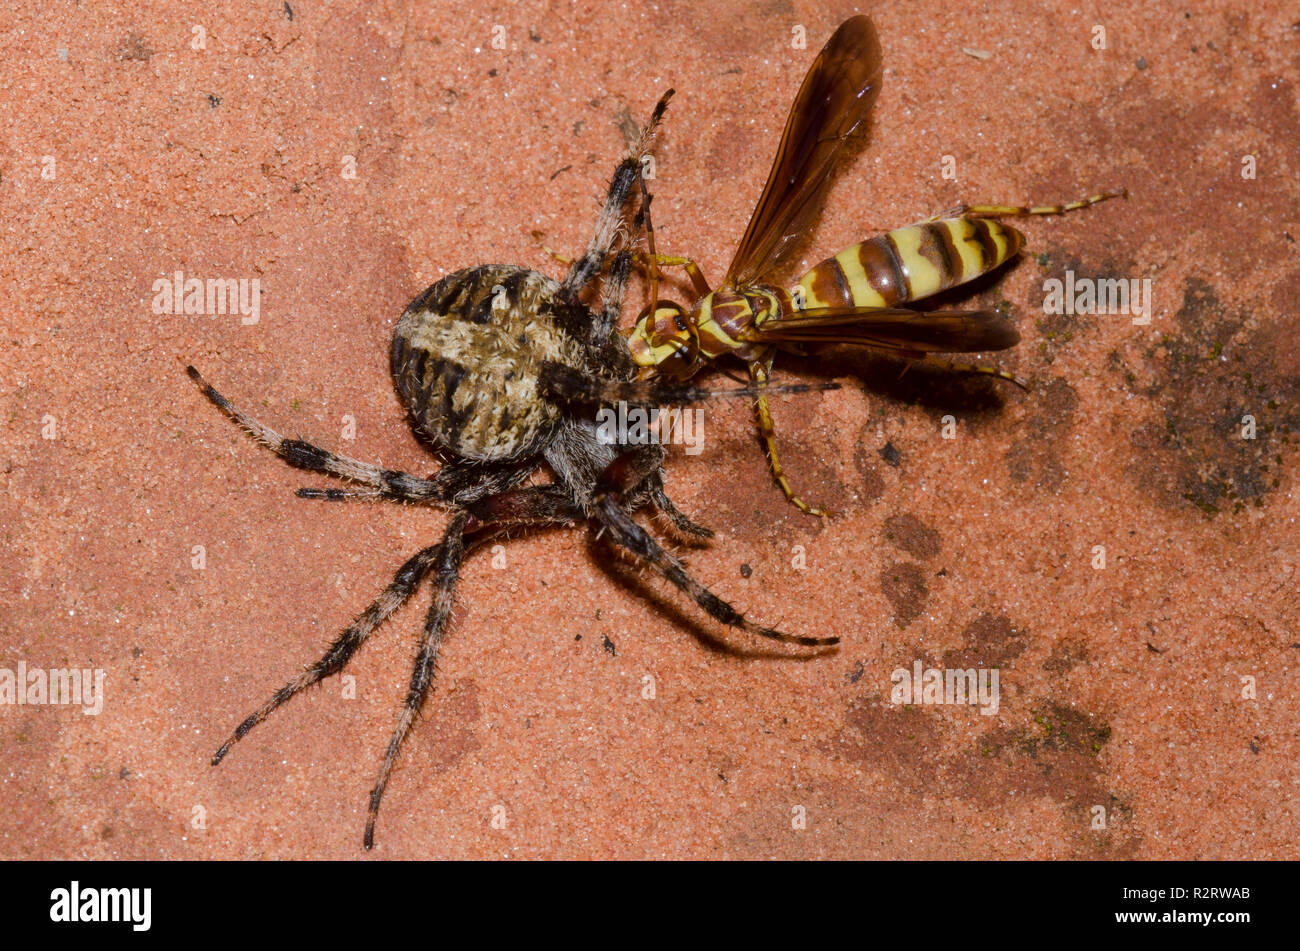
x: 502, y: 368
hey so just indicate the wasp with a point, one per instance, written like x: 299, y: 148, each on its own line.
x: 854, y: 297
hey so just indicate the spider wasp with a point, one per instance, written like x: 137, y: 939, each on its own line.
x: 500, y: 367
x: 853, y: 297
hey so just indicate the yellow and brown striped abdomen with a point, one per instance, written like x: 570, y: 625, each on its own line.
x: 909, y: 264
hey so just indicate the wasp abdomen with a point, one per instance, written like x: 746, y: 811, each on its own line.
x: 466, y: 356
x: 910, y: 263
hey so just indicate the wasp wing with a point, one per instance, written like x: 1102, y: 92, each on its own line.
x: 889, y: 328
x: 836, y: 96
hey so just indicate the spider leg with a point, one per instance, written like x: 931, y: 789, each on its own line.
x: 340, y: 652
x: 629, y: 469
x: 451, y: 552
x: 535, y: 505
x: 679, y: 521
x: 610, y: 219
x: 458, y: 482
x: 340, y: 495
x: 303, y: 455
x: 611, y: 296
x: 466, y: 482
x: 628, y: 534
x: 646, y: 222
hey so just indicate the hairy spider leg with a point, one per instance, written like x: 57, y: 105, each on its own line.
x: 628, y: 469
x: 534, y: 506
x: 611, y: 217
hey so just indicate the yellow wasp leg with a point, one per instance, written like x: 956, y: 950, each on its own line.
x: 654, y: 261
x: 693, y: 271
x: 538, y: 236
x: 972, y: 368
x: 650, y: 261
x: 759, y: 374
x: 1009, y: 211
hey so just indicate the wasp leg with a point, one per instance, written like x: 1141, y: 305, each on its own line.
x: 540, y: 238
x: 1011, y: 211
x: 692, y: 269
x: 972, y: 368
x: 759, y: 374
x: 653, y: 262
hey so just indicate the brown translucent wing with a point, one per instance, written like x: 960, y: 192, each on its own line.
x: 937, y: 331
x: 836, y: 96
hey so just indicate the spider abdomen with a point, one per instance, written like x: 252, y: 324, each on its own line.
x: 466, y: 356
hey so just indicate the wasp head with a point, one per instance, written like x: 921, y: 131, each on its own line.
x: 663, y: 341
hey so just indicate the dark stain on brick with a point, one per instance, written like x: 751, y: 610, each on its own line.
x: 910, y: 534
x: 989, y: 641
x: 904, y: 742
x: 1067, y: 730
x: 448, y: 733
x: 872, y: 484
x: 134, y: 47
x: 1066, y: 655
x: 1204, y: 379
x: 1273, y: 104
x: 1057, y: 332
x: 903, y: 585
x: 1055, y: 755
x: 1029, y: 458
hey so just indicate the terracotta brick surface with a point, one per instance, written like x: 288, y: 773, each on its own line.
x: 1160, y: 688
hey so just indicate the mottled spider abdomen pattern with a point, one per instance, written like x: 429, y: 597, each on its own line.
x: 466, y: 356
